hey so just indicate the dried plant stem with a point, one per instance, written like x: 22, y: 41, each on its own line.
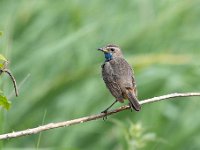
x: 89, y: 118
x: 12, y: 78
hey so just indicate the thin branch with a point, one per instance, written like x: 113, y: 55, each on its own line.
x: 89, y: 118
x: 4, y: 69
x: 19, y: 86
x: 13, y: 80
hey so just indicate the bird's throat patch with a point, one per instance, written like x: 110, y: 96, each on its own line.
x: 108, y: 56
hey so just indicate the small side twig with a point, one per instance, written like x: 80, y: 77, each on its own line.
x: 89, y: 118
x: 12, y: 78
x: 4, y: 69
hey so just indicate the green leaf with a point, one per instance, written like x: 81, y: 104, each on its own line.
x: 2, y: 58
x: 4, y: 102
x: 1, y: 65
x: 1, y: 33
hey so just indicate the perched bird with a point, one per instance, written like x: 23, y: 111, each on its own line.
x: 118, y: 77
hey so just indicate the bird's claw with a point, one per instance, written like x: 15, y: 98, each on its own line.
x: 105, y: 112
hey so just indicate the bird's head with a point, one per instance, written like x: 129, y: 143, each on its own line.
x: 111, y: 51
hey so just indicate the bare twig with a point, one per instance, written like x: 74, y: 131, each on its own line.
x: 19, y: 86
x: 89, y: 118
x: 13, y: 80
x: 4, y: 69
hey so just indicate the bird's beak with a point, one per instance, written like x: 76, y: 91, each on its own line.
x: 103, y: 50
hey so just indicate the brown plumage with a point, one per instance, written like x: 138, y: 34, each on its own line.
x: 118, y: 76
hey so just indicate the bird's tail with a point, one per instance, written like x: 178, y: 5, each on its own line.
x: 133, y: 99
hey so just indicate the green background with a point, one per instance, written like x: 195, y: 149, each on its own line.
x: 51, y: 46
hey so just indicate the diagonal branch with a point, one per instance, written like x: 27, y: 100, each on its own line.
x: 89, y: 118
x: 3, y: 69
x: 13, y: 80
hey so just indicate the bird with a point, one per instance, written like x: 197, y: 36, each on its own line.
x: 119, y: 77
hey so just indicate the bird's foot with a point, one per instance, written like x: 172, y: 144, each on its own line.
x: 105, y: 112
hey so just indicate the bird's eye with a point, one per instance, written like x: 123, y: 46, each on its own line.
x: 112, y: 49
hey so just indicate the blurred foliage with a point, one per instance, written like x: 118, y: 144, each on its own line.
x: 4, y: 103
x: 2, y: 58
x: 52, y: 49
x: 135, y: 136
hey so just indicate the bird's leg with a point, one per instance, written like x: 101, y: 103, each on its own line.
x: 106, y: 110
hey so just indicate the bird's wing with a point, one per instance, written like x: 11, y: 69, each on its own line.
x: 125, y: 78
x: 129, y: 75
x: 124, y: 72
x: 109, y: 78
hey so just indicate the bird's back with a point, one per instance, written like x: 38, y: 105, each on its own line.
x: 118, y: 76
